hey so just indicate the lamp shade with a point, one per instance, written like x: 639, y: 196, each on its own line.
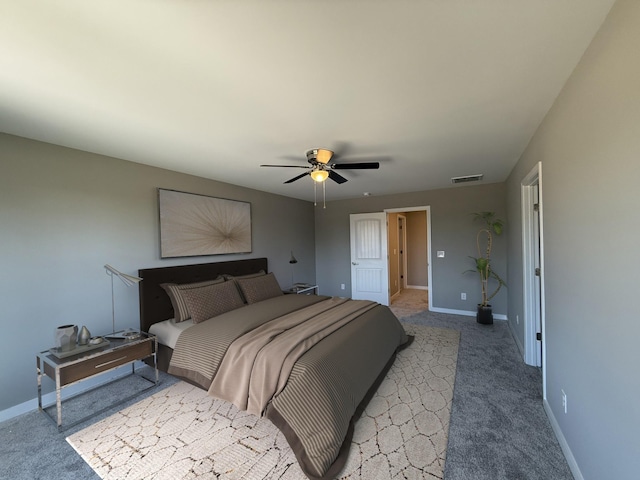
x: 319, y: 175
x: 128, y: 280
x: 323, y: 155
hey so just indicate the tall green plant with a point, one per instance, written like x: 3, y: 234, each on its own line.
x: 484, y: 243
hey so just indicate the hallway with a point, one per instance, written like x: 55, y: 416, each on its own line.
x: 409, y: 302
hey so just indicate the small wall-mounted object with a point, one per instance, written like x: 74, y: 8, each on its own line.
x: 440, y: 254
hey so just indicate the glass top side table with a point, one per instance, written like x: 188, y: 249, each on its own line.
x: 68, y: 368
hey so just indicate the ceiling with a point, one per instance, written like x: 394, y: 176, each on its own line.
x: 432, y: 89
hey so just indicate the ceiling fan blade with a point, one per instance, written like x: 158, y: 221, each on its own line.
x: 336, y: 177
x: 297, y: 178
x: 286, y: 166
x: 356, y: 166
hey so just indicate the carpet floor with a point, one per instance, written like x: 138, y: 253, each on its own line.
x: 183, y: 433
x: 498, y: 428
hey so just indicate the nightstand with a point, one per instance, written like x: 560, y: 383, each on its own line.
x: 69, y: 368
x: 300, y: 289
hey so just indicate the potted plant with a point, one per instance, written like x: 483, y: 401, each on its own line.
x: 484, y: 243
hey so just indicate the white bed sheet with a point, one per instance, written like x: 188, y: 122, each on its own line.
x: 168, y: 331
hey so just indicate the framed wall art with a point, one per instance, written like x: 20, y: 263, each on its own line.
x: 192, y: 224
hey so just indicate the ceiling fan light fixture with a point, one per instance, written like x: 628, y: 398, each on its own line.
x: 320, y: 155
x: 319, y: 175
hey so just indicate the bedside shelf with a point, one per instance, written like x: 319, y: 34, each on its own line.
x: 302, y: 289
x: 83, y: 363
x: 78, y: 350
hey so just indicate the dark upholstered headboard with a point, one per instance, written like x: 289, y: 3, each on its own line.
x: 155, y: 305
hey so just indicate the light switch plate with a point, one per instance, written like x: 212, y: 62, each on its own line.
x: 440, y: 254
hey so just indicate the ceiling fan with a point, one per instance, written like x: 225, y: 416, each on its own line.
x: 321, y: 168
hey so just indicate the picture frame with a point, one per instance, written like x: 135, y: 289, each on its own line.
x: 193, y: 225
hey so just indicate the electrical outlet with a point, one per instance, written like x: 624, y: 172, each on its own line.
x: 463, y: 296
x: 342, y: 286
x: 564, y: 401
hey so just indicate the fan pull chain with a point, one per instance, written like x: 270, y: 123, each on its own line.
x: 315, y: 195
x: 324, y: 195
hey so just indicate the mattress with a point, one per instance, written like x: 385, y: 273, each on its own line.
x: 168, y: 331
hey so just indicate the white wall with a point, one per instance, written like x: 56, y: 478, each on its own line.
x: 65, y: 213
x: 589, y: 146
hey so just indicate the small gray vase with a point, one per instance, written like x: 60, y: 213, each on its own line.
x: 84, y: 336
x: 66, y: 336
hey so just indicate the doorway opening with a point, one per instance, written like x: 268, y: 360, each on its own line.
x: 409, y: 260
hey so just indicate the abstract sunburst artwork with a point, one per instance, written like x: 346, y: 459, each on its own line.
x: 192, y: 224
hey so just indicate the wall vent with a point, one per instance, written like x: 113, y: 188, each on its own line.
x: 467, y: 178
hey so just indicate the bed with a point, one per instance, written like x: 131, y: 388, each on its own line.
x: 308, y: 363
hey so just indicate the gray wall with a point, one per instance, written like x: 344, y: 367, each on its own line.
x: 65, y: 213
x: 589, y: 146
x: 452, y: 230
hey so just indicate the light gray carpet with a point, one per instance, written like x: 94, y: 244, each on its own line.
x: 498, y: 428
x: 32, y: 448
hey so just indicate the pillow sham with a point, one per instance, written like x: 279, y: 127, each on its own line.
x: 240, y: 277
x: 174, y: 290
x: 235, y: 279
x: 212, y: 300
x: 259, y: 288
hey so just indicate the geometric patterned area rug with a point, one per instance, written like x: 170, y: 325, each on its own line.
x: 183, y: 433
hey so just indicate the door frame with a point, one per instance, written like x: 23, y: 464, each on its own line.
x: 427, y: 209
x: 402, y: 245
x: 530, y: 300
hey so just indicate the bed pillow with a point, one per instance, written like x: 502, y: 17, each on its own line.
x: 259, y: 288
x: 174, y: 290
x: 240, y: 277
x: 212, y: 300
x: 235, y: 278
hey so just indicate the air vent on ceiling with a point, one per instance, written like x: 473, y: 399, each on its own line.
x: 467, y: 178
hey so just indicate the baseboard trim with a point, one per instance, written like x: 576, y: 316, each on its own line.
x: 417, y: 287
x: 466, y: 313
x: 517, y: 340
x: 71, y: 391
x: 566, y: 450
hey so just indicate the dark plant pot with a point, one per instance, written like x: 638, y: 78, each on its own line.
x: 484, y: 315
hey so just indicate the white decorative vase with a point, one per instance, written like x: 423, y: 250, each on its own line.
x: 66, y: 336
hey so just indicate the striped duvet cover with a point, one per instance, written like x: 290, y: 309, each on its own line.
x: 340, y: 349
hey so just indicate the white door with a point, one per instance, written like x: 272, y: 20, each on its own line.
x: 369, y: 264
